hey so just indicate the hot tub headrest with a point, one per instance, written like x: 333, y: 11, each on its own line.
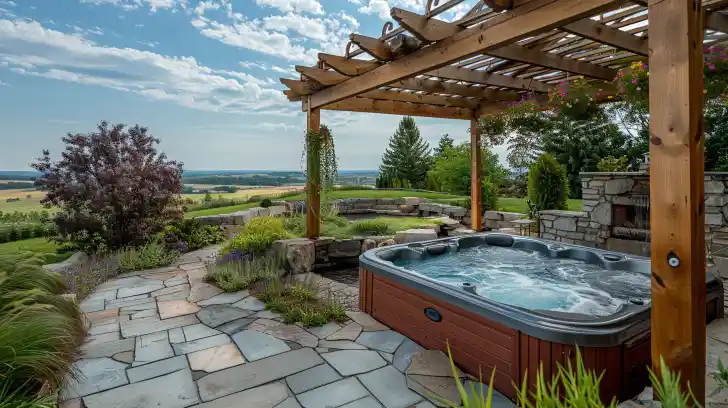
x: 499, y: 240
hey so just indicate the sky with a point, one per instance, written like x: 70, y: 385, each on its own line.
x: 203, y: 76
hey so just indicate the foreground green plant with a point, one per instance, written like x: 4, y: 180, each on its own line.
x: 721, y: 378
x: 149, y: 256
x: 572, y: 387
x: 39, y: 332
x: 257, y: 236
x: 242, y: 273
x: 300, y: 302
x: 472, y: 399
x: 668, y: 390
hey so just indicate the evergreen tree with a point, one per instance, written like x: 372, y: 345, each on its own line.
x: 407, y: 157
x: 445, y: 142
x: 579, y: 145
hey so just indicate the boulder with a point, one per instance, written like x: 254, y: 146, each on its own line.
x: 368, y: 244
x: 415, y: 235
x: 299, y: 252
x: 407, y: 209
x: 345, y: 248
x: 461, y: 231
x: 74, y: 260
x: 413, y: 201
x: 277, y: 210
x: 208, y: 220
x: 386, y: 242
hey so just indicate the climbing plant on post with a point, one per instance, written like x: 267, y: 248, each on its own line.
x: 321, y: 172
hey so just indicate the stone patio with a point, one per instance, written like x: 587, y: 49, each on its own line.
x: 164, y: 338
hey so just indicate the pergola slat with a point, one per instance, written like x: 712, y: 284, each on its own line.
x: 492, y: 33
x: 375, y: 47
x: 400, y: 108
x: 608, y: 35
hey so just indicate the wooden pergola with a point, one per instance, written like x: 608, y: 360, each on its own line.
x: 502, y: 49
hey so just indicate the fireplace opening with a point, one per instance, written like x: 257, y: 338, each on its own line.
x: 631, y: 221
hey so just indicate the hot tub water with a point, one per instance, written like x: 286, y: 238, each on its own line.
x: 529, y: 279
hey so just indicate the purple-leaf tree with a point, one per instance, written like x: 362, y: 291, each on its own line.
x: 112, y: 186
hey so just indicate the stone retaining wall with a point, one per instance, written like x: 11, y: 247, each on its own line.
x: 571, y: 227
x: 602, y: 191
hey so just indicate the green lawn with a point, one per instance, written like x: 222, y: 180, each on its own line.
x: 519, y: 205
x: 37, y: 251
x: 334, y: 195
x: 220, y: 210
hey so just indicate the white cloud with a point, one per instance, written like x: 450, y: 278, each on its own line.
x: 150, y: 44
x: 309, y: 27
x: 382, y: 7
x: 30, y: 49
x: 299, y: 6
x: 4, y: 83
x: 271, y: 35
x: 205, y: 5
x: 283, y: 70
x: 153, y: 5
x: 85, y: 31
x: 276, y: 126
x: 9, y: 3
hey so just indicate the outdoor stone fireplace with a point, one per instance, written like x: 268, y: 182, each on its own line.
x: 616, y: 213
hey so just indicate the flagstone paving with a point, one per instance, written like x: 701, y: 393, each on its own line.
x: 164, y: 338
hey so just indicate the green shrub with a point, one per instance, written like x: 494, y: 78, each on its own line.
x: 240, y: 274
x: 548, y: 185
x: 372, y: 227
x: 258, y: 235
x: 39, y: 333
x: 298, y: 302
x: 266, y: 202
x: 152, y: 255
x: 490, y: 196
x: 611, y: 163
x: 189, y: 235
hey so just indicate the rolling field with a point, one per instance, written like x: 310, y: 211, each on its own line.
x: 242, y: 194
x: 25, y: 204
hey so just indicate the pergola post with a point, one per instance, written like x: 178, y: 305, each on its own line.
x: 313, y: 190
x: 476, y: 176
x: 676, y: 193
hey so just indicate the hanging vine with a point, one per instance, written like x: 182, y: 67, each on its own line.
x: 320, y: 154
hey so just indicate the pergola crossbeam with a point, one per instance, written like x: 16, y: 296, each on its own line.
x: 493, y: 33
x: 400, y: 108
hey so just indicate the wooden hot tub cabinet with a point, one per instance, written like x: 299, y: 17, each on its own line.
x: 477, y: 342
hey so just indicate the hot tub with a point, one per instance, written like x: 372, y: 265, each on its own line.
x: 510, y: 303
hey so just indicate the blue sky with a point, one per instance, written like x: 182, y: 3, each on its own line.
x: 202, y: 75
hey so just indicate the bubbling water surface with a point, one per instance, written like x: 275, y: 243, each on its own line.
x: 534, y: 281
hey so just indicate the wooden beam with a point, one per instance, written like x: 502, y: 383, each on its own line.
x: 313, y: 185
x: 292, y: 96
x: 373, y: 46
x: 425, y: 29
x: 476, y: 177
x: 435, y: 86
x: 322, y: 76
x: 421, y: 98
x: 485, y: 78
x: 348, y: 66
x: 716, y: 21
x: 296, y: 86
x: 605, y: 34
x: 400, y: 108
x: 553, y: 61
x: 676, y: 192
